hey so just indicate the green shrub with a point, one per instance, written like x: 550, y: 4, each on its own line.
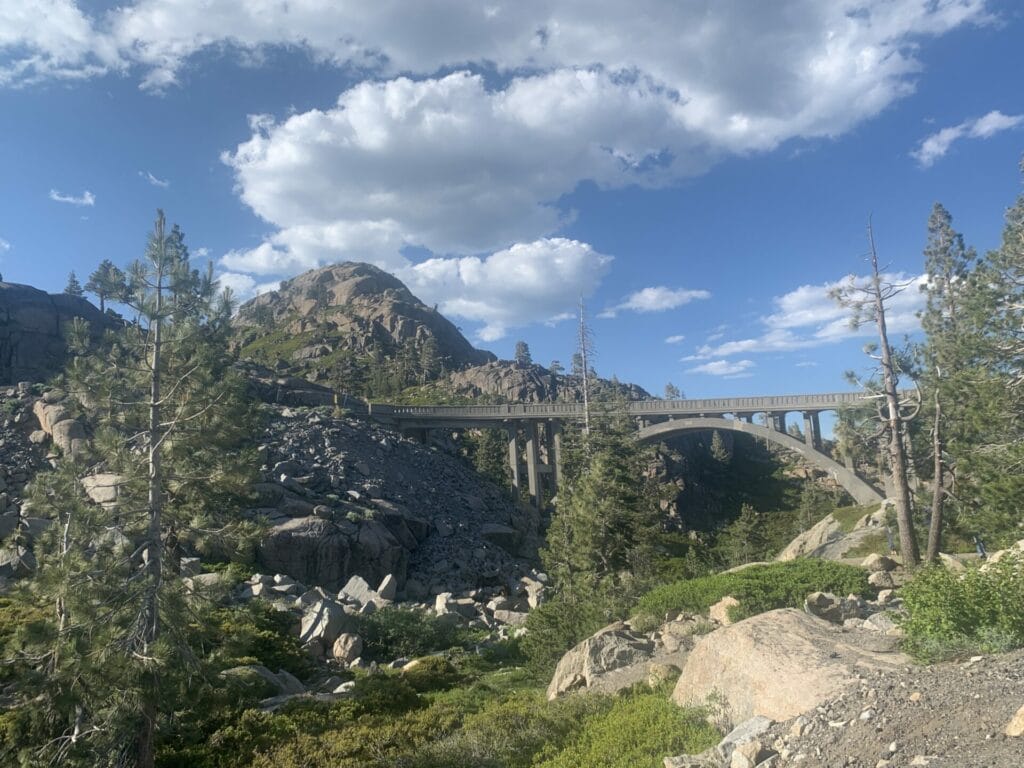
x: 383, y: 694
x: 556, y: 626
x: 393, y: 632
x: 256, y: 633
x: 431, y: 673
x: 759, y: 588
x: 513, y: 732
x: 637, y: 732
x: 956, y: 614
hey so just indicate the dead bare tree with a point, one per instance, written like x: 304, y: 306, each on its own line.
x: 867, y: 300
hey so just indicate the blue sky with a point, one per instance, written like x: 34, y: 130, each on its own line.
x: 701, y: 171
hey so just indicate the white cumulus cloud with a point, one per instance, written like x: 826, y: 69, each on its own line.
x: 87, y: 198
x: 727, y: 368
x: 936, y: 145
x: 675, y: 339
x: 809, y: 317
x: 244, y: 287
x: 655, y: 299
x: 527, y: 283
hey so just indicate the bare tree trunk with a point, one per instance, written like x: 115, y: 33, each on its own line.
x: 897, y: 455
x: 146, y: 747
x: 584, y: 348
x: 938, y: 488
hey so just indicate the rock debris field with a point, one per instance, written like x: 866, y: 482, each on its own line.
x: 952, y: 715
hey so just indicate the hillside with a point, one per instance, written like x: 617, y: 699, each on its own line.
x: 330, y: 324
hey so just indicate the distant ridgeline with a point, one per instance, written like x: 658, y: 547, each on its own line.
x: 33, y: 327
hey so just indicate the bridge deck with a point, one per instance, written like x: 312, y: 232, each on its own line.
x: 639, y: 408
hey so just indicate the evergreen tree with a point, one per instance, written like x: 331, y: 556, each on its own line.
x: 522, y: 354
x: 73, y: 288
x: 490, y: 456
x: 672, y: 392
x: 171, y: 422
x: 107, y: 282
x: 429, y: 360
x: 607, y: 520
x: 744, y: 540
x: 992, y: 460
x: 947, y: 356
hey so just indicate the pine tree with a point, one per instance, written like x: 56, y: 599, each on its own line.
x: 946, y: 355
x: 429, y: 360
x: 992, y: 460
x: 73, y: 288
x: 868, y: 301
x: 107, y: 282
x: 607, y: 519
x: 672, y: 392
x: 171, y: 422
x: 523, y: 357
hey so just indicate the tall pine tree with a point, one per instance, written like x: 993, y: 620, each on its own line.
x: 171, y: 423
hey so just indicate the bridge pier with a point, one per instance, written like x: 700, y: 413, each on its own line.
x: 513, y: 459
x: 532, y: 462
x: 812, y: 429
x: 553, y: 433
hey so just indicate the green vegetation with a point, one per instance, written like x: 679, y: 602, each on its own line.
x: 960, y: 614
x: 637, y: 732
x: 394, y: 632
x: 758, y: 589
x: 848, y: 517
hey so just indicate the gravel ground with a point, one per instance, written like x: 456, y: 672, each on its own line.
x: 945, y: 716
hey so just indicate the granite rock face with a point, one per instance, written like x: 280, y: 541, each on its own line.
x: 32, y: 330
x: 343, y: 497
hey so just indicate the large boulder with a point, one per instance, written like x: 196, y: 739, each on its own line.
x: 33, y: 327
x: 609, y: 649
x: 779, y: 664
x: 311, y: 550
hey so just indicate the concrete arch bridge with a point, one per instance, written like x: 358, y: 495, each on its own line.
x: 535, y: 430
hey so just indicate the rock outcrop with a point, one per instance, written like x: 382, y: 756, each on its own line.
x: 829, y: 541
x: 779, y: 664
x: 320, y: 319
x: 33, y: 326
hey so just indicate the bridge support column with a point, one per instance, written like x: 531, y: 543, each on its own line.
x: 554, y: 435
x: 812, y: 429
x: 775, y: 421
x: 513, y: 459
x: 533, y: 462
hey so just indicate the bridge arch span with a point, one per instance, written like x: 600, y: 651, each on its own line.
x: 862, y: 492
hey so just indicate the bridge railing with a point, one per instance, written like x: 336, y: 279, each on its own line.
x: 777, y: 403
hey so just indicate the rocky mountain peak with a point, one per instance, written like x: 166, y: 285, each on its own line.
x: 332, y: 316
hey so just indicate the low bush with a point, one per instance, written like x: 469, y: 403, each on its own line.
x: 556, y: 626
x: 957, y: 614
x: 393, y: 632
x: 255, y: 633
x: 639, y: 730
x: 431, y: 673
x: 759, y: 588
